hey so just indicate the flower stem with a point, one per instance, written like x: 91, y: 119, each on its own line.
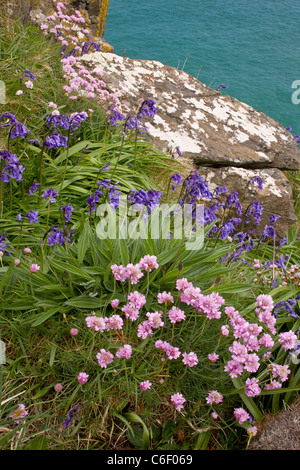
x: 67, y: 157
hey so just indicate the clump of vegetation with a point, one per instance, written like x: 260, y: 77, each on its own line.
x: 123, y: 329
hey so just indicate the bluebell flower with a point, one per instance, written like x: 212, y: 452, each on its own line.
x: 220, y: 190
x: 18, y: 130
x: 51, y: 195
x: 148, y: 198
x: 147, y: 109
x: 29, y: 74
x: 56, y: 236
x: 221, y: 86
x: 68, y: 123
x: 273, y: 219
x: 255, y: 209
x: 33, y: 141
x: 55, y: 141
x: 3, y: 245
x: 32, y: 216
x: 176, y: 150
x: 67, y: 421
x: 257, y: 180
x: 269, y: 232
x: 113, y: 116
x: 176, y: 178
x: 12, y: 168
x: 11, y: 118
x: 33, y: 188
x: 67, y: 210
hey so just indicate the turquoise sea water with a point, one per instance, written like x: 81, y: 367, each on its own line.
x: 253, y: 46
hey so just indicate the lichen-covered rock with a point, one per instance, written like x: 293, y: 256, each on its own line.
x: 208, y: 127
x: 280, y: 431
x: 275, y: 197
x: 226, y: 140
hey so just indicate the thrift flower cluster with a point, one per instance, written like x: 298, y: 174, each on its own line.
x: 74, y: 34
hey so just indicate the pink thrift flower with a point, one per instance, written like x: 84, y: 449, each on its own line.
x: 115, y: 322
x: 287, y: 340
x: 124, y: 352
x: 119, y: 272
x: 280, y: 371
x: 97, y: 323
x: 82, y: 378
x: 29, y: 84
x: 234, y: 368
x: 148, y: 263
x: 239, y: 351
x: 214, y: 397
x: 52, y: 105
x: 273, y: 385
x: 241, y: 415
x: 214, y: 415
x: 252, y: 362
x: 145, y: 385
x: 154, y: 319
x: 19, y: 92
x: 74, y: 332
x: 137, y: 299
x: 182, y: 284
x: 134, y: 273
x: 224, y: 330
x: 17, y: 262
x: 165, y: 297
x: 58, y: 387
x: 176, y: 315
x: 252, y: 431
x: 34, y: 268
x: 104, y: 358
x: 265, y: 302
x: 266, y: 340
x: 251, y: 387
x: 213, y: 357
x: 190, y: 359
x: 130, y: 311
x: 144, y: 330
x: 172, y: 352
x: 20, y: 412
x: 114, y: 303
x: 178, y: 401
x: 27, y: 251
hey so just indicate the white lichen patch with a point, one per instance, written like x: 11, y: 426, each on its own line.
x: 177, y: 139
x: 269, y: 183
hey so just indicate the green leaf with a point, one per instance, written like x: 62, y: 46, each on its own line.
x: 168, y: 429
x: 63, y: 266
x: 145, y: 435
x: 86, y: 301
x: 203, y: 440
x: 83, y: 242
x: 37, y: 443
